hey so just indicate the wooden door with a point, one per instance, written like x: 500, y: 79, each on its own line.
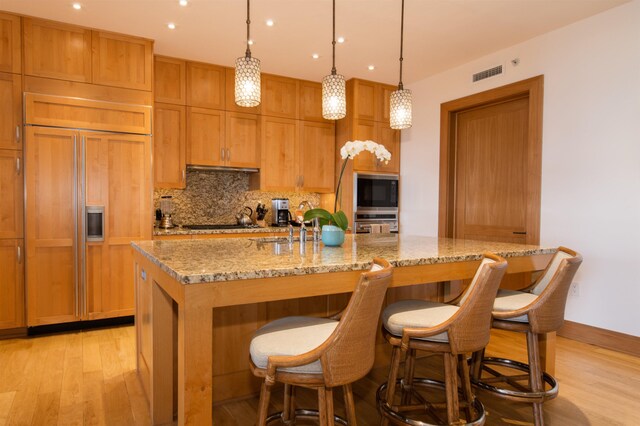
x: 12, y: 284
x: 279, y: 171
x: 365, y: 100
x: 205, y: 137
x: 491, y: 172
x: 390, y: 138
x: 205, y: 85
x: 11, y: 193
x: 51, y: 168
x: 364, y: 130
x: 279, y: 96
x: 10, y: 54
x: 317, y: 156
x: 170, y: 80
x: 169, y: 146
x: 122, y: 61
x: 118, y: 177
x: 57, y: 50
x: 311, y: 101
x: 242, y: 140
x: 10, y: 111
x: 384, y: 106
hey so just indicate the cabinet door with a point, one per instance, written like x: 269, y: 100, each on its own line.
x: 385, y: 106
x: 279, y: 96
x: 122, y: 61
x: 242, y: 140
x: 169, y: 146
x: 11, y: 182
x: 56, y: 50
x: 10, y: 111
x: 390, y: 138
x: 365, y: 130
x: 118, y: 177
x: 317, y: 156
x: 365, y: 100
x: 311, y: 101
x: 279, y: 154
x: 10, y: 57
x: 205, y: 137
x: 230, y: 98
x: 12, y: 284
x: 170, y: 80
x: 205, y: 85
x: 51, y: 233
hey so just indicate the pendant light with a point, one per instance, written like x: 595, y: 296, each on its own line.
x: 334, y: 93
x: 400, y: 115
x: 247, y: 75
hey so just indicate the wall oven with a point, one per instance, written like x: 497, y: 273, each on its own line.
x: 375, y: 201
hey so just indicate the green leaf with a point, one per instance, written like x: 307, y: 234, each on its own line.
x: 340, y: 219
x: 324, y: 217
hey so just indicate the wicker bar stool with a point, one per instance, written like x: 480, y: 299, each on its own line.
x: 536, y: 310
x: 321, y: 353
x: 450, y: 330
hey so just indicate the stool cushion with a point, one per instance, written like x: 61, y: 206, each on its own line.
x: 291, y: 336
x: 417, y: 313
x: 511, y: 300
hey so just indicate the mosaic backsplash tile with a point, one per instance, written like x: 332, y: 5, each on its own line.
x: 215, y: 197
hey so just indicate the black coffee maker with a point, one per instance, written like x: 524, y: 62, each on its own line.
x: 280, y: 211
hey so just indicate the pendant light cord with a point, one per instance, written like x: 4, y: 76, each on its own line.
x: 333, y: 67
x: 248, y: 52
x: 400, y: 86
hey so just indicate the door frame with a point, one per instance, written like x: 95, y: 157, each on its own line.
x: 533, y: 88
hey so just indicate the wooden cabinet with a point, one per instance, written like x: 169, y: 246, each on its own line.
x: 242, y: 140
x: 279, y: 96
x: 365, y: 100
x: 316, y: 160
x: 170, y: 80
x: 230, y: 102
x: 10, y: 54
x: 169, y: 146
x: 11, y: 184
x: 122, y: 61
x: 390, y: 138
x: 57, y: 50
x: 385, y: 106
x: 205, y: 137
x: 12, y: 284
x: 10, y: 111
x: 205, y: 85
x: 380, y: 133
x: 310, y: 95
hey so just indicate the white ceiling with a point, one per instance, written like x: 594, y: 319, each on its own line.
x: 439, y: 34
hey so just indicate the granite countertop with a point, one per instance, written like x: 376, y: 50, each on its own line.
x: 179, y: 230
x: 226, y: 259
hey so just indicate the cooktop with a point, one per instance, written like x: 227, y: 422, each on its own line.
x: 219, y: 226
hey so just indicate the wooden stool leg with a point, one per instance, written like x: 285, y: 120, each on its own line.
x: 391, y: 381
x: 476, y: 364
x: 451, y: 385
x: 535, y: 376
x: 263, y: 405
x: 463, y: 370
x: 289, y: 410
x: 322, y: 406
x: 407, y: 381
x: 330, y: 407
x: 350, y: 405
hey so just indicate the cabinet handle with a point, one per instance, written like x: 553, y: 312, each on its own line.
x: 18, y: 134
x: 301, y: 181
x: 519, y: 233
x: 228, y: 154
x: 222, y: 154
x: 19, y: 253
x: 18, y: 166
x: 184, y: 175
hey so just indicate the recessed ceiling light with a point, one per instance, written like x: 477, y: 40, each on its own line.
x: 340, y: 40
x: 371, y: 67
x: 250, y: 42
x: 315, y: 56
x: 183, y: 2
x: 77, y: 6
x: 269, y: 22
x: 171, y: 26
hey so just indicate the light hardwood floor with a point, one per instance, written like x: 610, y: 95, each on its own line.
x: 88, y: 378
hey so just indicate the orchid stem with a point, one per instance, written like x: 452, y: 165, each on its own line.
x: 335, y: 204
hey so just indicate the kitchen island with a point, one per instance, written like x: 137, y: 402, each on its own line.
x: 199, y: 301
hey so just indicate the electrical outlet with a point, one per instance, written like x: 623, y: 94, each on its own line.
x: 574, y: 290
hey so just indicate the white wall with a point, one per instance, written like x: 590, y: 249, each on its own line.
x: 591, y: 154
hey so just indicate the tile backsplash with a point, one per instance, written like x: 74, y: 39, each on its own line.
x: 215, y: 197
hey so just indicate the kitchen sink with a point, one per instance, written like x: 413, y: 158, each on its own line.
x: 218, y: 226
x: 277, y: 240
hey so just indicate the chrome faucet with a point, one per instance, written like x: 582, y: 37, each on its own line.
x: 316, y: 223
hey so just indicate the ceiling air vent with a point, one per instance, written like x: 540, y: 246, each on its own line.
x: 487, y: 73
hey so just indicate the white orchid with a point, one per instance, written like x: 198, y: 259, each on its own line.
x: 352, y: 148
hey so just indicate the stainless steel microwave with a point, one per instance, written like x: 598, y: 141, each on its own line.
x: 375, y: 192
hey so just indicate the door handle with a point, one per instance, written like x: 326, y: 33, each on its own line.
x: 519, y: 233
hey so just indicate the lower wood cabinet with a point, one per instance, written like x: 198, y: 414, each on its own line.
x: 12, y: 283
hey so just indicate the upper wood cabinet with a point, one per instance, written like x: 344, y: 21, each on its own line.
x: 383, y: 134
x: 364, y: 130
x: 242, y: 140
x: 205, y: 137
x: 206, y: 85
x: 310, y: 95
x: 231, y: 95
x: 385, y: 106
x: 11, y: 183
x: 169, y: 148
x: 122, y: 61
x: 316, y: 163
x: 369, y: 100
x: 12, y: 284
x: 10, y: 54
x: 170, y: 80
x: 279, y: 163
x: 279, y: 96
x: 10, y: 111
x: 57, y: 50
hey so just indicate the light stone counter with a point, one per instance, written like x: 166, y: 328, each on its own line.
x: 178, y: 230
x: 226, y: 259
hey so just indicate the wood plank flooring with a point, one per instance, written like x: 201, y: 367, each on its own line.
x: 88, y: 378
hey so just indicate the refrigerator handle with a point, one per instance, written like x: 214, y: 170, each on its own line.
x: 75, y: 232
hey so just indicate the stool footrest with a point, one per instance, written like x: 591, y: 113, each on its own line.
x: 303, y: 414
